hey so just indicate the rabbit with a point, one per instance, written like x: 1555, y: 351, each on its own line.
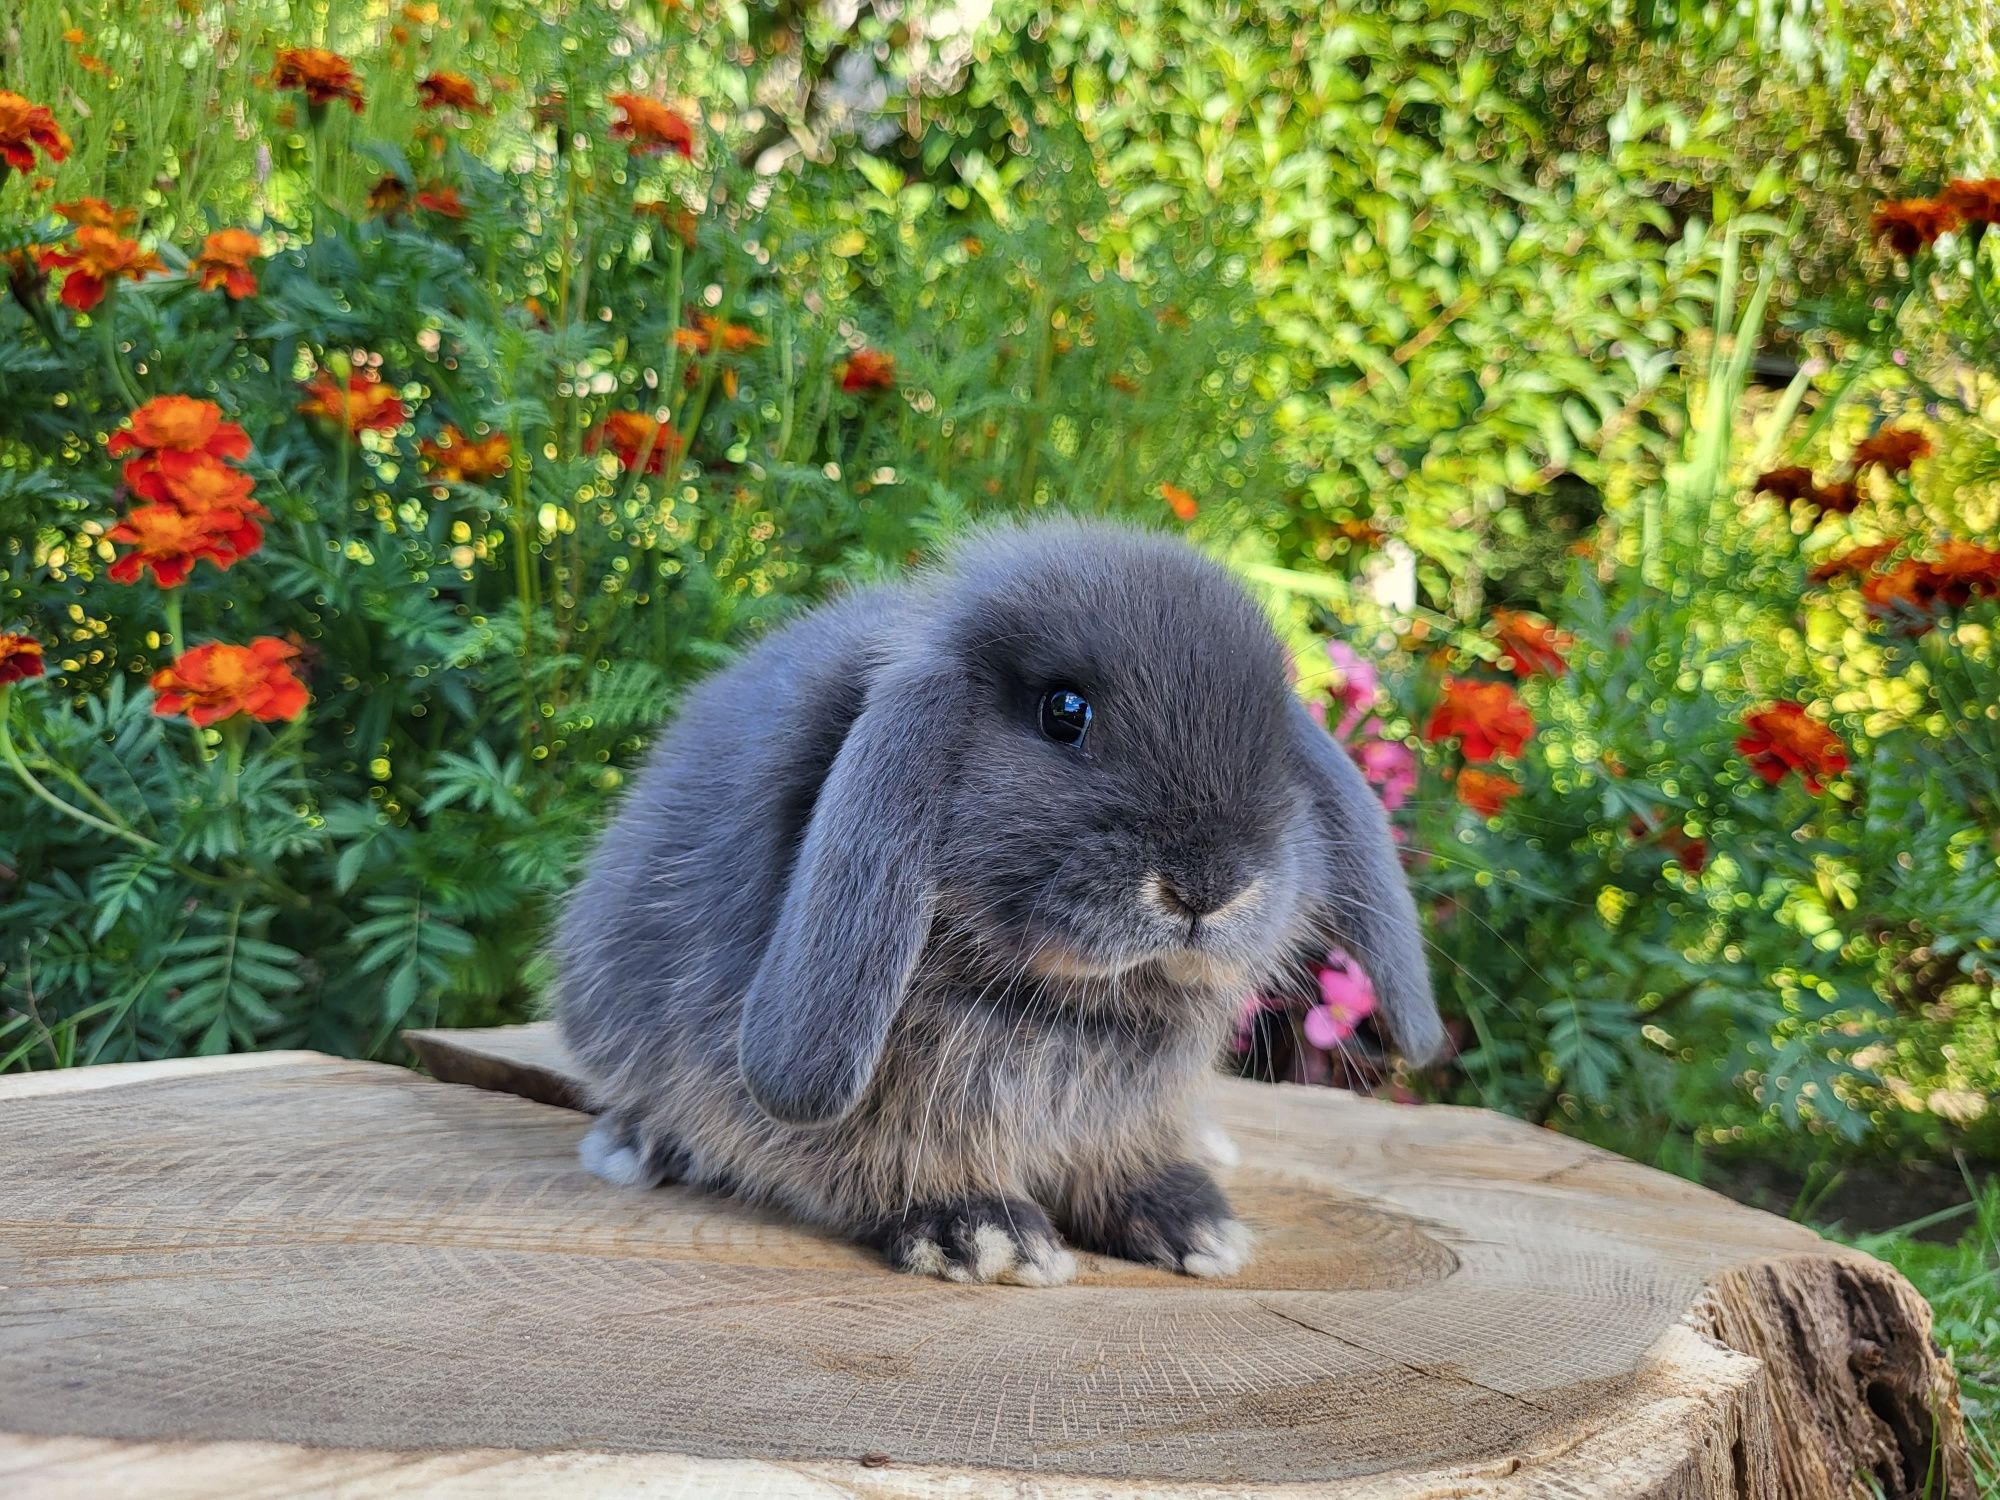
x: 929, y: 915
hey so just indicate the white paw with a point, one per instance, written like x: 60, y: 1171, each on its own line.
x: 1218, y: 1248
x: 993, y: 1254
x: 612, y: 1154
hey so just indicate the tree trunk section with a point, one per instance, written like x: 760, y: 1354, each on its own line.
x: 289, y: 1274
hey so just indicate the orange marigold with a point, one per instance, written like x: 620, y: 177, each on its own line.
x: 457, y: 459
x: 20, y: 657
x: 169, y: 541
x: 441, y: 200
x: 364, y: 403
x: 640, y: 441
x: 26, y: 127
x: 1973, y: 200
x: 1909, y: 224
x: 175, y: 449
x: 1893, y: 448
x: 446, y: 90
x: 95, y: 213
x: 708, y: 331
x: 323, y: 76
x: 1486, y: 792
x: 652, y: 127
x: 389, y: 196
x: 214, y: 682
x: 868, y: 370
x: 1361, y: 533
x: 96, y: 259
x: 1532, y: 644
x: 1487, y: 718
x: 677, y: 217
x: 1782, y: 737
x: 225, y: 262
x: 1179, y: 501
x: 1855, y: 562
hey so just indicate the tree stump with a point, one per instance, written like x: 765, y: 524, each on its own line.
x: 287, y: 1274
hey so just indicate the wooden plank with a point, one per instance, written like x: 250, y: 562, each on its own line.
x: 314, y: 1274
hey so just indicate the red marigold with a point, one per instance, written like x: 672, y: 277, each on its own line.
x: 1894, y: 448
x: 1919, y: 586
x: 457, y: 459
x: 1841, y: 497
x: 388, y: 197
x: 652, y: 127
x: 1855, y: 562
x: 1782, y: 737
x: 1532, y: 644
x: 708, y: 332
x: 1486, y: 792
x: 169, y: 541
x: 24, y: 128
x: 446, y: 90
x: 868, y: 370
x: 1179, y: 501
x: 178, y: 447
x: 364, y: 403
x: 1487, y: 718
x: 1973, y: 200
x: 97, y: 258
x: 640, y: 441
x: 442, y: 200
x: 95, y: 213
x: 20, y: 657
x: 214, y: 682
x: 1794, y: 483
x: 225, y: 262
x: 1691, y: 853
x: 1909, y: 224
x: 323, y: 76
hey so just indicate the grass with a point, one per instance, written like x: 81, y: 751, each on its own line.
x: 1961, y: 1281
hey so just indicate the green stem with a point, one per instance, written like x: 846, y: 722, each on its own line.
x: 120, y: 376
x: 12, y: 757
x: 177, y: 633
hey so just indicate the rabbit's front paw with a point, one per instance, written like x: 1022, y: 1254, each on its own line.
x: 977, y: 1238
x: 616, y: 1152
x: 1176, y: 1218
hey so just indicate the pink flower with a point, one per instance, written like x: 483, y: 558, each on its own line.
x: 1248, y: 1009
x: 1357, y: 688
x: 1390, y: 767
x: 1347, y: 997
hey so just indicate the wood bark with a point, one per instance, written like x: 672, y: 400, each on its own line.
x: 292, y: 1274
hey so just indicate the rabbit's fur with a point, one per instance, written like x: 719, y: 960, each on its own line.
x: 866, y: 943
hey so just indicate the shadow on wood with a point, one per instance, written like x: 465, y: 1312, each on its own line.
x: 291, y: 1274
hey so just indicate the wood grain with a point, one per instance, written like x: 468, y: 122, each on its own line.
x: 316, y: 1276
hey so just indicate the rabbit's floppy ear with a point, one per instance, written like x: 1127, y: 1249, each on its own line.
x: 857, y: 908
x: 1363, y: 899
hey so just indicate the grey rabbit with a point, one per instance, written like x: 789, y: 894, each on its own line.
x: 929, y: 915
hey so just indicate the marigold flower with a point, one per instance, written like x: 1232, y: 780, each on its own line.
x: 184, y: 425
x: 677, y: 217
x: 1361, y: 533
x: 1179, y: 501
x: 652, y: 127
x: 1690, y: 853
x: 1894, y: 448
x: 638, y: 440
x: 442, y: 200
x: 202, y: 484
x: 1855, y: 562
x: 1782, y: 737
x: 225, y: 262
x: 1532, y: 644
x: 1486, y: 792
x: 364, y: 403
x: 1842, y: 497
x: 95, y: 213
x: 169, y: 542
x: 98, y: 257
x: 216, y: 681
x: 709, y: 331
x: 457, y: 459
x: 868, y: 370
x: 20, y: 657
x: 26, y: 127
x: 323, y: 76
x: 1973, y: 200
x: 389, y: 196
x: 446, y: 90
x: 1120, y: 381
x: 1909, y: 224
x: 1487, y: 719
x: 1794, y: 483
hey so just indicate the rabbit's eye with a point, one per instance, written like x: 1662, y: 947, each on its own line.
x: 1065, y: 717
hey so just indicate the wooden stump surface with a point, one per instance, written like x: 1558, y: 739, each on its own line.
x: 293, y: 1274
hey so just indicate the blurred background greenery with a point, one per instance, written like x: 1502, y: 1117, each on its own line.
x: 1411, y: 310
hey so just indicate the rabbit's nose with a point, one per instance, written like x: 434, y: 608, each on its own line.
x: 1195, y: 898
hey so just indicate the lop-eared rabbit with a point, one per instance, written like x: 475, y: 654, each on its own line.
x: 927, y: 917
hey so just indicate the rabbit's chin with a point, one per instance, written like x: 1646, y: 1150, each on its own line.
x: 1194, y: 968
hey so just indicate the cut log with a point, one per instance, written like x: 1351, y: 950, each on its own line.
x: 292, y: 1274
